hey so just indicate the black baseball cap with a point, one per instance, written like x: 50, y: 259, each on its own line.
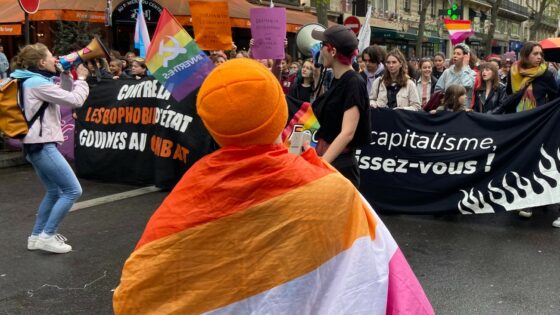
x: 341, y: 37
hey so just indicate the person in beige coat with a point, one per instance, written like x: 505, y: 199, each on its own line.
x: 395, y: 89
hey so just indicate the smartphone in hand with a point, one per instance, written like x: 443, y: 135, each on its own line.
x: 297, y: 140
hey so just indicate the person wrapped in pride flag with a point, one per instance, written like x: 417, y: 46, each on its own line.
x: 253, y: 229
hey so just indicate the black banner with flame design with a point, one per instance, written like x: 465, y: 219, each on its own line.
x: 419, y: 163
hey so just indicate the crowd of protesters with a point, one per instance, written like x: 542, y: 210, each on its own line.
x: 459, y: 83
x: 383, y: 79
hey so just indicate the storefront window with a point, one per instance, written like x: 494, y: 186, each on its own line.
x: 380, y: 5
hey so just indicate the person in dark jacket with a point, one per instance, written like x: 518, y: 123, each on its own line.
x: 491, y: 94
x: 374, y: 57
x: 531, y: 77
x: 535, y: 84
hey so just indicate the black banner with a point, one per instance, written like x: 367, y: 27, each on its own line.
x: 419, y: 163
x: 135, y: 132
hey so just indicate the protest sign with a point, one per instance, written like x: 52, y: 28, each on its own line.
x: 268, y: 29
x: 211, y: 24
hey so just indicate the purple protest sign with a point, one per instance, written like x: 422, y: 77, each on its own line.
x: 268, y: 28
x: 68, y: 127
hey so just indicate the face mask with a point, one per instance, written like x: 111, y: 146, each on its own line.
x: 292, y: 71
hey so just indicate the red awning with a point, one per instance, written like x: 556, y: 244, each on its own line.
x: 93, y: 11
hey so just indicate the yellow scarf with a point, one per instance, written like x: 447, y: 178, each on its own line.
x: 521, y: 78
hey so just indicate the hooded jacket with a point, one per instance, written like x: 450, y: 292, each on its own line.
x: 38, y: 89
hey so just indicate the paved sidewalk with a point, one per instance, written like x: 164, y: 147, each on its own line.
x: 11, y: 159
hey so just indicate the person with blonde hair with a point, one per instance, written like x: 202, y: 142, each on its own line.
x: 395, y: 89
x: 36, y: 67
x: 138, y: 68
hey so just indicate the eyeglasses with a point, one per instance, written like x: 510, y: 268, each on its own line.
x: 323, y: 44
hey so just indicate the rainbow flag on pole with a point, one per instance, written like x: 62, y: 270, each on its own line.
x: 459, y: 30
x: 303, y: 120
x: 175, y: 60
x: 257, y: 230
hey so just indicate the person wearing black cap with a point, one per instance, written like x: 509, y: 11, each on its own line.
x: 343, y: 111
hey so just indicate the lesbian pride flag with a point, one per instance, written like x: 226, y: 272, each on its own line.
x: 175, y: 60
x: 459, y: 30
x: 256, y: 230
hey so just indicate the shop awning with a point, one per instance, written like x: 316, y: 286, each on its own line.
x: 396, y: 35
x: 387, y: 33
x: 93, y: 11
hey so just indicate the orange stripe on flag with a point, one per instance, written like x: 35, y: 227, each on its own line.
x: 226, y: 170
x: 228, y: 260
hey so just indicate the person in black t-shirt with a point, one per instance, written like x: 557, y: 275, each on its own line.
x: 343, y: 111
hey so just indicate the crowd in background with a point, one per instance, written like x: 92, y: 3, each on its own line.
x: 459, y: 82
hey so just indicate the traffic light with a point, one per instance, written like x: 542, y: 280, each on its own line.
x: 454, y: 12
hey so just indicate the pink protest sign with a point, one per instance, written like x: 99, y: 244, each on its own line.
x: 268, y: 28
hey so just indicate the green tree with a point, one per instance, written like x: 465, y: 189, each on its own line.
x: 537, y: 15
x: 322, y: 10
x: 71, y: 36
x: 492, y: 26
x: 421, y: 27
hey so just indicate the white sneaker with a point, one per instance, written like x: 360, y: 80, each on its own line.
x: 556, y: 223
x: 54, y: 244
x: 31, y: 242
x: 526, y: 213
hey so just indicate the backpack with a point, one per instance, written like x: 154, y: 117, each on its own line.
x: 12, y: 118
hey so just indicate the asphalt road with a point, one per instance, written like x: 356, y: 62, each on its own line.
x: 483, y: 264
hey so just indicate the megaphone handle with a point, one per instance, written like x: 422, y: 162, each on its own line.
x: 316, y: 90
x: 97, y: 71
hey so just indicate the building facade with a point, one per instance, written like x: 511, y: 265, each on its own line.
x: 395, y: 23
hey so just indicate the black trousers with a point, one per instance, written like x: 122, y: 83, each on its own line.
x: 347, y: 164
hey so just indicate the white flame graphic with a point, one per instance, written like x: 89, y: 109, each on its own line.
x: 477, y: 202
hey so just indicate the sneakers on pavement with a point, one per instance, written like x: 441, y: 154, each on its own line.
x: 526, y: 213
x: 31, y: 242
x: 556, y: 223
x: 54, y: 244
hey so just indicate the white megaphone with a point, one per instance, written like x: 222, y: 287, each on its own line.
x: 306, y: 44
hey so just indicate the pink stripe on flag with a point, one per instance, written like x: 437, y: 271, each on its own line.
x: 405, y: 294
x: 459, y: 37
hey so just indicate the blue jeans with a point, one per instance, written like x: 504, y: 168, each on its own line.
x: 62, y: 186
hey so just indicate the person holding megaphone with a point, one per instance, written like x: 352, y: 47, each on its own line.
x: 36, y: 68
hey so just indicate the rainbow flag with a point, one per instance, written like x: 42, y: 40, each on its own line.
x: 256, y: 230
x: 175, y: 60
x: 303, y: 120
x: 459, y: 30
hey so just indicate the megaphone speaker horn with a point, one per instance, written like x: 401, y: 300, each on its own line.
x: 95, y: 49
x: 304, y: 41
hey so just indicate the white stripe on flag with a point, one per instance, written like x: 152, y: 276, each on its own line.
x: 355, y: 281
x: 141, y: 35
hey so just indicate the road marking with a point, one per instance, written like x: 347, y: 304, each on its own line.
x: 115, y: 197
